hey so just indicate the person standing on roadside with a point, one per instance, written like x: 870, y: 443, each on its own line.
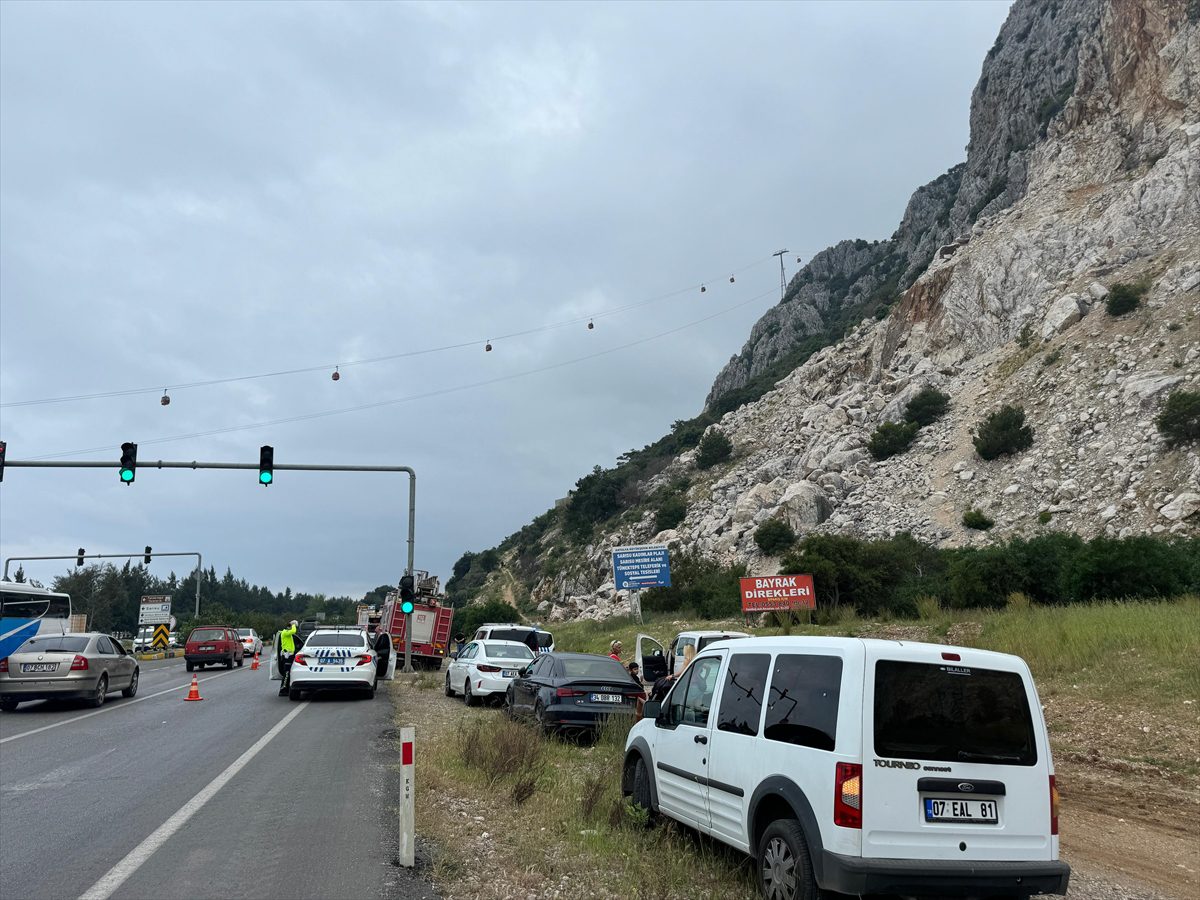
x: 614, y: 651
x: 287, y: 652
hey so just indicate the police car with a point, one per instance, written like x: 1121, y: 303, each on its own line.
x: 342, y: 659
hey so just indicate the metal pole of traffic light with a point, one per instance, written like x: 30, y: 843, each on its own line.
x: 285, y: 467
x: 81, y: 556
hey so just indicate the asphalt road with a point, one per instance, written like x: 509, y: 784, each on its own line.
x: 245, y: 794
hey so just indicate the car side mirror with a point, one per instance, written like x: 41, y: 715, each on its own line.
x: 651, y: 709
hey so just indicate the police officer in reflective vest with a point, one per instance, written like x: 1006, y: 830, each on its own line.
x: 287, y: 652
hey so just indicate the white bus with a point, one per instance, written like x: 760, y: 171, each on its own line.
x: 26, y: 611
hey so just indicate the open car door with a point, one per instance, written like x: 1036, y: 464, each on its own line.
x: 650, y: 658
x: 273, y: 666
x: 385, y: 656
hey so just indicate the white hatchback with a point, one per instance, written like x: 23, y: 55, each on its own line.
x: 339, y: 659
x: 484, y: 668
x: 858, y: 766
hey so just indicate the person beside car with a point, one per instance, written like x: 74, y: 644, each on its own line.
x: 287, y: 652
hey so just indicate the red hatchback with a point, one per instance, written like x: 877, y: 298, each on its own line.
x: 212, y: 644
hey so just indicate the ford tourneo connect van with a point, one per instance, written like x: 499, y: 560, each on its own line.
x: 858, y: 766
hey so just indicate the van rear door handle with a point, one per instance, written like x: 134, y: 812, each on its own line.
x: 700, y: 739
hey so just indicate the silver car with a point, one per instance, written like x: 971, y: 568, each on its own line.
x: 67, y: 666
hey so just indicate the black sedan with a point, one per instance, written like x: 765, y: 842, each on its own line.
x: 572, y: 691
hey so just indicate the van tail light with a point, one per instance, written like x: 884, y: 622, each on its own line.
x: 299, y: 660
x: 79, y: 663
x: 4, y: 664
x: 847, y: 795
x: 1053, y: 807
x: 568, y: 692
x: 492, y: 669
x: 366, y: 658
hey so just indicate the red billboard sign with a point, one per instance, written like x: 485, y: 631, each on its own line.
x: 778, y: 592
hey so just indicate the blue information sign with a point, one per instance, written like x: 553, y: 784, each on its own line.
x: 645, y: 566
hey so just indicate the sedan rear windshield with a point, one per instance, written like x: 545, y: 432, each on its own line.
x: 520, y: 635
x: 207, y: 634
x: 507, y: 651
x: 345, y: 639
x: 952, y: 714
x: 245, y: 632
x: 594, y: 668
x: 54, y: 644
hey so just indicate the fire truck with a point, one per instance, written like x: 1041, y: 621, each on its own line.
x: 431, y: 617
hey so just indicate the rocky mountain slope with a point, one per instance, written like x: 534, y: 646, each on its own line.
x: 1083, y: 173
x: 1027, y: 77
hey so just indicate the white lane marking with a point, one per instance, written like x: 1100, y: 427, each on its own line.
x: 106, y: 708
x: 118, y: 874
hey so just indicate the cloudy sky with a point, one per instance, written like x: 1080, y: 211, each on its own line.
x: 201, y: 192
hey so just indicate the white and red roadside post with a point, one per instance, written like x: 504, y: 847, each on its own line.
x: 407, y: 805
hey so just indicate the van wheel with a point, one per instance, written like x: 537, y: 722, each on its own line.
x: 189, y: 666
x: 784, y: 868
x: 241, y: 659
x: 642, y: 796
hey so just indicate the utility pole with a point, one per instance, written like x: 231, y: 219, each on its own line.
x: 782, y: 276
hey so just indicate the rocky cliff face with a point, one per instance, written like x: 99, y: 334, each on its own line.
x: 1026, y: 80
x: 1008, y: 311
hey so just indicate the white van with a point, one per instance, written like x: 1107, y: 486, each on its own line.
x: 858, y: 766
x: 535, y: 638
x: 143, y: 640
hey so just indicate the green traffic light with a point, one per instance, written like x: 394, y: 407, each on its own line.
x: 265, y: 477
x: 127, y: 475
x: 406, y: 607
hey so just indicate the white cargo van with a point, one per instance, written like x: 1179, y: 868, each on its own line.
x: 858, y: 766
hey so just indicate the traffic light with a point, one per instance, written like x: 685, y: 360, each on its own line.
x: 266, y: 465
x: 406, y: 594
x: 128, y: 462
x: 146, y: 558
x: 3, y: 448
x: 79, y: 558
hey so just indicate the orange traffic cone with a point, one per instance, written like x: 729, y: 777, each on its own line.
x: 194, y: 693
x: 254, y: 665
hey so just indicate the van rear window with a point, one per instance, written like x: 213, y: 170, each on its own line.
x: 952, y: 714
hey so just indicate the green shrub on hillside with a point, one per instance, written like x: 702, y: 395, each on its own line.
x: 774, y: 536
x: 670, y: 512
x: 1003, y: 431
x: 715, y: 448
x: 700, y: 585
x: 469, y: 618
x: 1125, y: 298
x: 1179, y: 421
x: 974, y: 518
x: 927, y: 407
x: 891, y: 438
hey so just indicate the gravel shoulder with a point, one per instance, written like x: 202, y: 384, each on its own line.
x: 479, y: 842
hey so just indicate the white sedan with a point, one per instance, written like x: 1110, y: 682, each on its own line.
x: 484, y: 668
x: 251, y: 642
x: 339, y: 659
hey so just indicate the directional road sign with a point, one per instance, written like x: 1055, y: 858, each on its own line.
x: 640, y: 567
x: 155, y: 610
